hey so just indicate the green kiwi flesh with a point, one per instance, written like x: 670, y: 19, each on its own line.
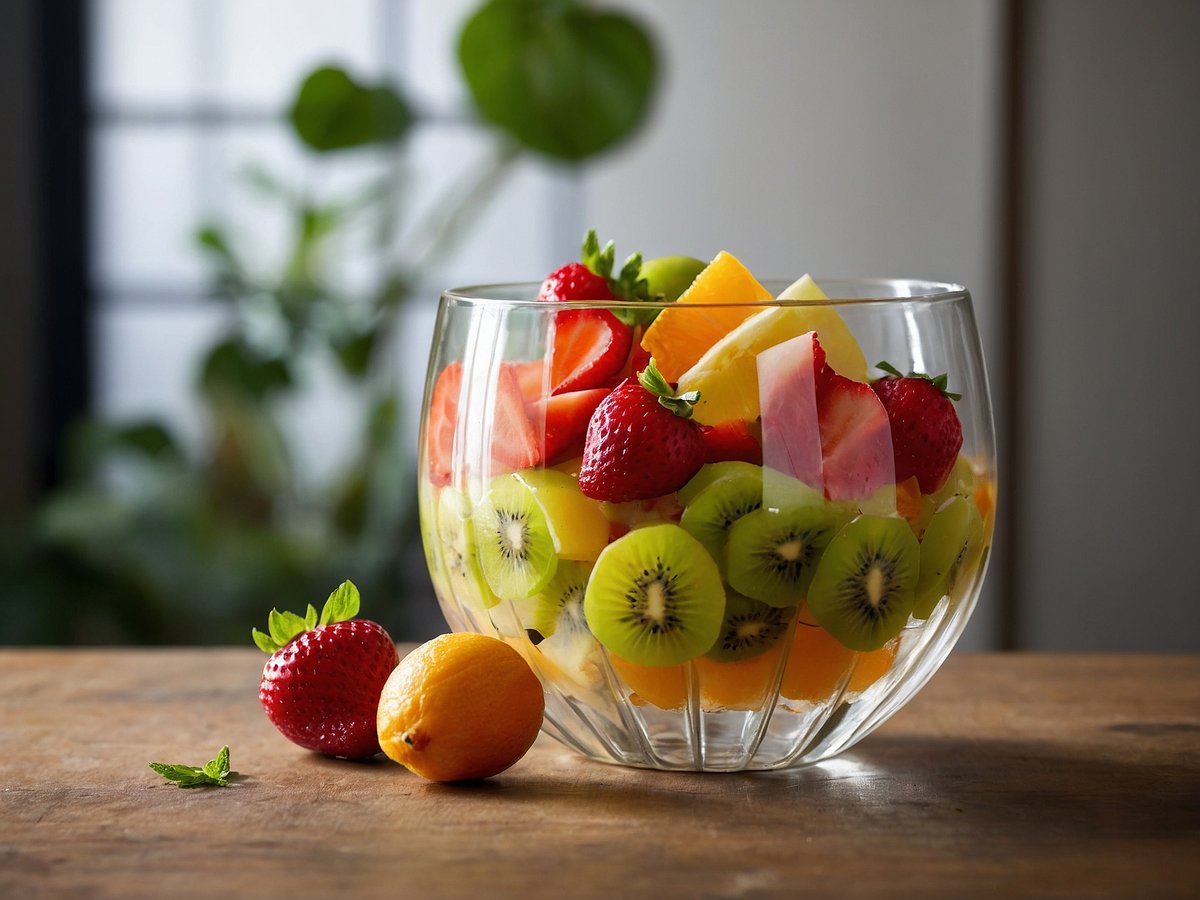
x: 558, y: 607
x: 748, y: 629
x: 459, y: 553
x: 655, y: 597
x: 515, y: 545
x: 863, y: 589
x: 953, y: 537
x: 714, y: 509
x: 771, y: 554
x: 712, y: 472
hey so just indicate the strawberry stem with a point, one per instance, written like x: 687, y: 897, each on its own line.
x: 653, y: 381
x: 940, y: 381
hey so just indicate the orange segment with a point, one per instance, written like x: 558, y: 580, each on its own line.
x: 817, y: 663
x: 908, y: 500
x: 738, y: 685
x: 661, y: 686
x: 679, y: 337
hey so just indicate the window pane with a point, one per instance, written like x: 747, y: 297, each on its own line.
x: 144, y: 52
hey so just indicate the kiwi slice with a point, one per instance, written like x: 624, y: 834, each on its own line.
x: 863, y: 589
x: 655, y: 597
x: 771, y: 554
x: 558, y: 607
x: 748, y: 629
x: 457, y: 549
x: 712, y: 511
x: 516, y: 547
x: 952, y: 541
x: 711, y: 472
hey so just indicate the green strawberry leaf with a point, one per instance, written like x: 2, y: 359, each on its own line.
x: 215, y: 772
x: 652, y: 380
x: 342, y: 604
x: 627, y: 285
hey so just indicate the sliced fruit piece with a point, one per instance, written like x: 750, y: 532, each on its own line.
x: 711, y: 472
x: 661, y: 686
x: 655, y: 597
x: 457, y: 549
x: 589, y: 346
x: 856, y: 443
x: 729, y: 441
x: 817, y: 664
x: 726, y: 375
x: 743, y: 684
x: 557, y: 609
x: 787, y: 386
x: 563, y: 421
x: 667, y: 277
x: 862, y: 591
x: 577, y: 525
x: 951, y: 545
x: 515, y: 544
x: 515, y: 445
x: 678, y: 337
x: 712, y: 511
x: 748, y: 629
x: 533, y: 378
x: 771, y: 554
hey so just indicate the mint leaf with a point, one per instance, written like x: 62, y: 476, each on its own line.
x: 342, y: 604
x: 215, y: 772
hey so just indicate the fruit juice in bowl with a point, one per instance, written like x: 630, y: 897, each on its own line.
x: 731, y: 524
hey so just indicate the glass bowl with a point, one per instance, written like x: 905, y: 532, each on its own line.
x: 834, y: 623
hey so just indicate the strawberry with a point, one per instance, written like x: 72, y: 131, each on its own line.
x: 574, y: 281
x: 641, y: 442
x: 732, y: 440
x: 590, y: 347
x: 566, y: 418
x: 514, y: 442
x: 856, y: 443
x: 322, y: 684
x: 926, y: 433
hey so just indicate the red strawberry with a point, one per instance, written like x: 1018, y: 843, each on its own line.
x: 856, y: 442
x: 732, y: 440
x: 514, y: 442
x: 566, y: 418
x: 575, y: 281
x: 590, y: 347
x: 926, y: 433
x: 322, y: 684
x: 641, y: 442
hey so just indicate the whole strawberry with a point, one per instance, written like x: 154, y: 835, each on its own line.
x: 594, y: 278
x: 641, y: 441
x: 926, y: 433
x: 321, y: 686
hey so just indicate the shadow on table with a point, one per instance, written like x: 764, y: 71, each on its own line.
x: 980, y: 785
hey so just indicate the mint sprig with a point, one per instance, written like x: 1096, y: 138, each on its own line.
x: 653, y: 381
x: 939, y: 381
x: 215, y: 772
x: 628, y: 284
x: 284, y: 627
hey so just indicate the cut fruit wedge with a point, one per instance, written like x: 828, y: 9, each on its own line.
x: 726, y: 375
x: 577, y: 525
x: 679, y: 337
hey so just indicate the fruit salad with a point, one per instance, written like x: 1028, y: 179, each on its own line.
x: 680, y: 491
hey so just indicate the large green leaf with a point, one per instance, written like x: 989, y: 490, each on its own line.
x: 563, y: 79
x: 334, y: 112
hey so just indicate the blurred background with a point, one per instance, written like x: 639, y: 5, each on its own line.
x: 226, y: 224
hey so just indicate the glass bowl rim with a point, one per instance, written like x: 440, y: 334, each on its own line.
x: 875, y: 291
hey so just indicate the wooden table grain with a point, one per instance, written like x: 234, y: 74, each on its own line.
x: 1010, y: 775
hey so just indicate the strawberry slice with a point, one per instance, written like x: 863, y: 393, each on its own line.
x: 514, y: 442
x: 565, y: 418
x: 732, y: 440
x: 590, y: 347
x: 856, y: 439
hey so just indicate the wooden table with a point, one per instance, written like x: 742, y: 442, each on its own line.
x: 1009, y: 775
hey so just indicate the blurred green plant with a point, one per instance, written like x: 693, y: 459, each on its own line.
x: 153, y: 539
